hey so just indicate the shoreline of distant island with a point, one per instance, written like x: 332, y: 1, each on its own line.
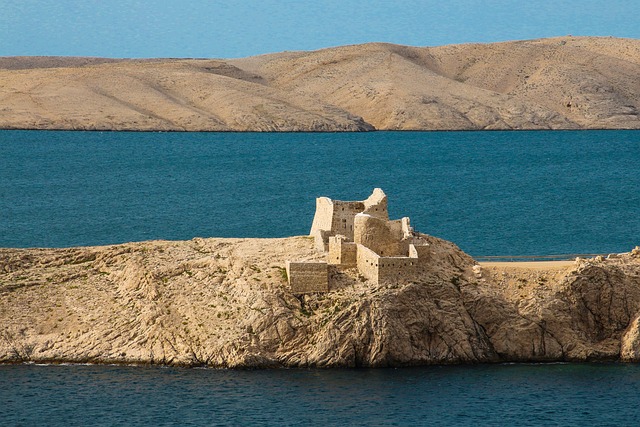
x: 562, y: 83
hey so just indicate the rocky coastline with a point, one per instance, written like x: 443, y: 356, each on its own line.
x: 225, y: 303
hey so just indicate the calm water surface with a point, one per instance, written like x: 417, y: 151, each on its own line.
x: 525, y: 395
x: 490, y: 192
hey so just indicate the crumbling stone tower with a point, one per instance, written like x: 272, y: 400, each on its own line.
x: 336, y: 217
x: 360, y: 235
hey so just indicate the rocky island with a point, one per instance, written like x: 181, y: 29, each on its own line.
x: 230, y: 302
x: 557, y: 83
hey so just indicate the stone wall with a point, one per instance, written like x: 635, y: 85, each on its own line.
x: 396, y: 269
x: 323, y: 216
x: 367, y: 262
x: 421, y: 252
x: 343, y: 214
x: 407, y: 230
x: 341, y: 252
x: 322, y: 222
x: 376, y: 204
x: 333, y: 217
x: 307, y: 277
x: 321, y: 239
x: 383, y: 237
x: 386, y: 269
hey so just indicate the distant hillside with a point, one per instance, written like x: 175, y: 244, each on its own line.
x: 559, y: 83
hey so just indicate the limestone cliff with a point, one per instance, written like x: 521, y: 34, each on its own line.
x: 558, y: 83
x: 225, y: 303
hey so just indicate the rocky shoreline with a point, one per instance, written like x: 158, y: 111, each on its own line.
x: 225, y: 303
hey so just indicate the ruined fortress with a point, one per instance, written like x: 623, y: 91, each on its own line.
x: 359, y: 235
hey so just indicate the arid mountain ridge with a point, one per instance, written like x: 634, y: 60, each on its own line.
x: 558, y: 83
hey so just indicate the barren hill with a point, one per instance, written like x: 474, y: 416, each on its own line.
x: 225, y: 303
x: 559, y: 83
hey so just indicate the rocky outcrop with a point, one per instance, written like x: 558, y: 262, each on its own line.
x: 558, y: 83
x: 225, y: 303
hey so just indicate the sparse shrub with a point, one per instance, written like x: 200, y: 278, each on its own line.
x: 283, y: 273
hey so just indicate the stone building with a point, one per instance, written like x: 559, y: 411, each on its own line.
x: 360, y: 235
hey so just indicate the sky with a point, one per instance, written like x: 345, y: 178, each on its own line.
x: 237, y: 28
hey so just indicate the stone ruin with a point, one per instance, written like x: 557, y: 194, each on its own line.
x: 360, y: 235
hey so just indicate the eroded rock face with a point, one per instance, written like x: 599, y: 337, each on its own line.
x: 225, y: 303
x: 580, y: 313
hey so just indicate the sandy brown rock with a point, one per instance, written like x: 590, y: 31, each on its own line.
x: 583, y: 312
x: 225, y: 303
x: 176, y: 95
x: 558, y: 83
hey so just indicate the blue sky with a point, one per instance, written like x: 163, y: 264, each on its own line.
x: 229, y: 29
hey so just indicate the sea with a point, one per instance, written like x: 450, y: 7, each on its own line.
x: 492, y: 193
x: 490, y: 395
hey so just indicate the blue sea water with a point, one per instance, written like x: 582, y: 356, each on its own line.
x: 492, y: 193
x: 505, y: 395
